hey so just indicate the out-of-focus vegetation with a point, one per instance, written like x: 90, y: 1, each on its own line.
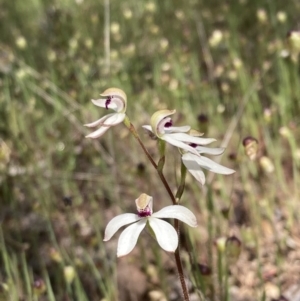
x: 230, y: 70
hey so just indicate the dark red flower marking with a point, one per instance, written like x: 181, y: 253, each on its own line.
x: 144, y: 212
x: 169, y: 124
x: 108, y: 101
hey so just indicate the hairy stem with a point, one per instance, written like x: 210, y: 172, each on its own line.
x: 159, y: 168
x: 185, y: 291
x: 178, y: 196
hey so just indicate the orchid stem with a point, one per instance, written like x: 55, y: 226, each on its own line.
x: 179, y: 266
x: 178, y: 196
x: 159, y: 168
x: 132, y: 129
x: 175, y: 201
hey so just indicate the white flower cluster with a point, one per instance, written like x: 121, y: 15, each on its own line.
x: 191, y: 146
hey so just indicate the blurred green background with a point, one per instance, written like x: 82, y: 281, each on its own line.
x: 229, y: 68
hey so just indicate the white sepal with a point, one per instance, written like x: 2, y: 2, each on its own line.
x: 129, y: 237
x: 179, y: 212
x: 165, y: 234
x: 117, y: 222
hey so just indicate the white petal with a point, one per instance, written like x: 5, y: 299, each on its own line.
x: 179, y: 212
x: 117, y: 222
x: 165, y: 234
x: 213, y: 166
x: 115, y: 104
x: 198, y: 175
x: 129, y: 237
x: 119, y: 118
x: 98, y: 133
x: 178, y: 129
x: 99, y: 121
x: 190, y: 157
x: 100, y: 102
x: 147, y: 127
x: 194, y: 169
x: 191, y: 139
x: 113, y: 119
x: 209, y: 150
x: 180, y: 144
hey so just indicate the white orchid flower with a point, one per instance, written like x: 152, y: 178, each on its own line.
x: 165, y: 233
x: 114, y: 99
x: 194, y: 164
x: 161, y: 127
x: 190, y: 144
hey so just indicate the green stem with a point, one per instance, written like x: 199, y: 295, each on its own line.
x: 181, y: 187
x: 220, y: 272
